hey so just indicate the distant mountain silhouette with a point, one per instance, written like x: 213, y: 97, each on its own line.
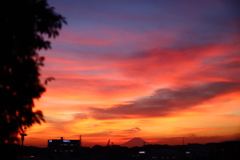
x: 135, y: 142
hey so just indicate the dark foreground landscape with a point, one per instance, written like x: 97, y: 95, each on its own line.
x: 211, y: 151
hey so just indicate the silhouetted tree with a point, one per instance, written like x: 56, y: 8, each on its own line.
x: 25, y: 26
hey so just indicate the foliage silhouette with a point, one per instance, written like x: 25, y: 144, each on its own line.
x: 26, y: 26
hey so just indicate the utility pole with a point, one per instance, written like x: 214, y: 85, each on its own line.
x: 23, y: 135
x: 183, y: 141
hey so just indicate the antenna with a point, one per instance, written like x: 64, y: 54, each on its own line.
x: 80, y: 141
x: 183, y: 141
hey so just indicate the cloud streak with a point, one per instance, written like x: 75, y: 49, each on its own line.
x: 166, y: 101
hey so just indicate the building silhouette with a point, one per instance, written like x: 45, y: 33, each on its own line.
x: 64, y: 146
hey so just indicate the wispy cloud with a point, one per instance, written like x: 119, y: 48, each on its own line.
x: 133, y: 130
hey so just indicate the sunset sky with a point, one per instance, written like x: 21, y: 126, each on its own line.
x: 155, y: 69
